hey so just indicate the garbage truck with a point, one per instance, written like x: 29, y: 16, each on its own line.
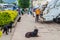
x: 52, y: 11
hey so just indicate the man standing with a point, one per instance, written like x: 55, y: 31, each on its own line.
x: 37, y: 11
x: 19, y: 12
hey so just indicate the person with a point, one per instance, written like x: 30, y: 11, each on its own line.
x: 34, y: 14
x: 37, y: 11
x: 14, y: 7
x: 19, y: 11
x: 30, y: 12
x: 22, y: 12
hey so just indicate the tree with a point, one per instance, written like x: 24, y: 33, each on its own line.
x: 1, y: 1
x: 14, y: 3
x: 23, y: 3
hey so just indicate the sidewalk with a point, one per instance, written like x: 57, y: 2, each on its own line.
x: 46, y: 31
x: 7, y: 37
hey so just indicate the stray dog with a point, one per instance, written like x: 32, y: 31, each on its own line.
x: 32, y: 34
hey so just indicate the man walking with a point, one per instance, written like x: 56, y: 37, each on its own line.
x: 19, y: 11
x: 37, y: 11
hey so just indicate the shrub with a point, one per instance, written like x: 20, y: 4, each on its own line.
x: 7, y: 16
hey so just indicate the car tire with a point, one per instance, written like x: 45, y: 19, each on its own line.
x: 57, y: 20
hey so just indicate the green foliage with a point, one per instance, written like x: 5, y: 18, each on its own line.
x: 4, y: 18
x: 7, y: 16
x: 1, y: 1
x: 23, y: 3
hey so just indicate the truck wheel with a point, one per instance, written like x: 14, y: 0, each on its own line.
x: 54, y: 19
x: 57, y: 20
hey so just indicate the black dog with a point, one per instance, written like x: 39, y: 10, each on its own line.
x: 10, y: 26
x: 5, y: 29
x: 32, y: 34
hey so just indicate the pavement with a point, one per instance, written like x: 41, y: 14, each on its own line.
x: 47, y: 31
x: 7, y: 37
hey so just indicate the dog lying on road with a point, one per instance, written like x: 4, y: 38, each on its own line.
x: 32, y: 34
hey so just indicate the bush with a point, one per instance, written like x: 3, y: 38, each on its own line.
x: 7, y: 16
x: 13, y: 14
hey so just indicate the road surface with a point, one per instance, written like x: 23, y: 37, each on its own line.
x: 47, y: 31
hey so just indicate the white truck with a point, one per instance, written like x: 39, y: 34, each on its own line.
x: 52, y: 12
